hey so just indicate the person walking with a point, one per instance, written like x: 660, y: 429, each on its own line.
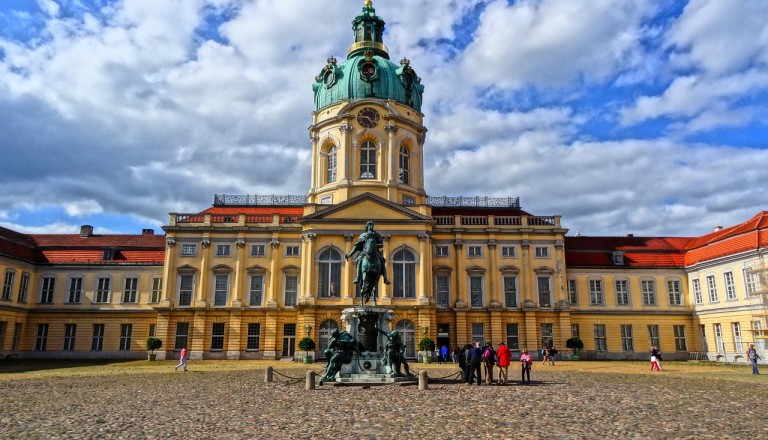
x: 526, y: 362
x: 655, y: 358
x: 544, y: 355
x: 475, y: 359
x: 489, y: 360
x: 551, y: 354
x: 504, y: 356
x: 752, y: 356
x: 182, y: 359
x: 446, y: 354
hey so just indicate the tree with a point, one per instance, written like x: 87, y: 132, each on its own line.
x: 307, y: 344
x: 154, y: 344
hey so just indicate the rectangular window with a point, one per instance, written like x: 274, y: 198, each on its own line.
x: 730, y: 286
x: 541, y: 251
x: 223, y: 250
x: 719, y: 338
x: 442, y: 284
x: 97, y: 340
x: 217, y: 336
x: 649, y: 292
x: 680, y: 344
x: 510, y: 291
x: 674, y: 292
x: 573, y: 293
x: 102, y: 290
x: 513, y: 337
x: 478, y: 333
x: 547, y: 335
x: 23, y: 287
x: 10, y: 277
x: 328, y: 200
x: 697, y: 298
x: 292, y: 251
x: 712, y: 288
x: 291, y: 289
x: 750, y: 282
x: 47, y: 287
x: 220, y: 290
x: 508, y: 252
x: 596, y: 292
x: 256, y: 290
x: 653, y: 335
x: 75, y: 290
x: 475, y: 251
x: 188, y: 250
x: 152, y: 330
x: 254, y: 332
x: 575, y: 331
x: 42, y: 337
x: 545, y: 293
x: 131, y: 290
x: 16, y: 336
x: 737, y: 342
x: 186, y: 284
x: 3, y: 329
x: 600, y: 341
x: 622, y: 292
x: 441, y: 251
x: 70, y: 330
x: 182, y: 334
x: 157, y: 290
x: 476, y: 291
x: 627, y: 344
x: 125, y: 336
x: 258, y: 250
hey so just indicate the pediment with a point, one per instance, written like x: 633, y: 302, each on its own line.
x: 367, y: 207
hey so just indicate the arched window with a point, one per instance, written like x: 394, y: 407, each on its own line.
x: 368, y: 160
x: 404, y: 165
x: 324, y: 334
x: 329, y: 274
x: 407, y: 333
x: 331, y: 174
x: 404, y: 268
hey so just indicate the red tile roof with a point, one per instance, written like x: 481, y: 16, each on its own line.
x: 638, y: 252
x: 750, y: 235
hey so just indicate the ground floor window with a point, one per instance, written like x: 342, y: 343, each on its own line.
x: 97, y: 340
x: 680, y: 344
x: 653, y: 335
x: 627, y: 344
x: 513, y: 337
x: 254, y: 333
x: 217, y: 336
x: 324, y: 334
x: 42, y: 337
x: 408, y: 334
x: 600, y: 341
x: 125, y: 336
x: 69, y: 337
x: 478, y: 333
x: 547, y: 335
x: 182, y: 335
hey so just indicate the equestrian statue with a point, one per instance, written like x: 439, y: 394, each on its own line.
x: 371, y: 264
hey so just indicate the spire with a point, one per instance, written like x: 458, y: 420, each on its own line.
x: 369, y: 29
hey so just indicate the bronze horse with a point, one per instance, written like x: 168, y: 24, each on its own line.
x: 371, y: 271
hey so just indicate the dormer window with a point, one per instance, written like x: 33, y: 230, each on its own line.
x: 618, y: 258
x: 109, y: 255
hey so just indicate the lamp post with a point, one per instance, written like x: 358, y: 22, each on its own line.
x: 307, y: 330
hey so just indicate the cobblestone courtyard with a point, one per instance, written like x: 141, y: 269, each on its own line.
x: 229, y: 400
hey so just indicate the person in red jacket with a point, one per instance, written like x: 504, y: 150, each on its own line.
x: 504, y: 356
x: 182, y: 359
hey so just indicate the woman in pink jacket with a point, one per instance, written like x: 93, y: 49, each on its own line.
x: 504, y: 356
x: 525, y: 363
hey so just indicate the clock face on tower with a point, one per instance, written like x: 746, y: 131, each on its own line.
x: 368, y: 117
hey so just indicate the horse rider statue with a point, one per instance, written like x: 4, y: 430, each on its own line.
x: 369, y: 233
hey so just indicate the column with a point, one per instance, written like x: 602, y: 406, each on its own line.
x: 238, y: 285
x: 391, y: 155
x: 315, y: 183
x: 307, y: 267
x: 385, y: 291
x: 275, y: 278
x: 200, y: 300
x: 531, y: 332
x: 348, y: 148
x: 169, y: 271
x: 527, y: 291
x: 460, y: 280
x: 235, y: 330
x: 495, y: 296
x: 196, y: 344
x: 348, y: 273
x: 270, y: 336
x: 424, y: 266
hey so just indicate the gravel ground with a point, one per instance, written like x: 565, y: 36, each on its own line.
x: 230, y: 404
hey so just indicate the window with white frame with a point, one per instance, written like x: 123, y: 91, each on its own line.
x: 292, y: 250
x: 256, y: 290
x: 544, y: 288
x: 217, y: 336
x: 220, y: 289
x: 131, y: 290
x: 750, y: 282
x: 368, y: 160
x: 508, y: 252
x: 23, y: 287
x: 404, y: 172
x: 188, y: 250
x: 330, y: 175
x: 478, y: 333
x: 622, y: 292
x: 674, y: 292
x: 618, y: 258
x: 712, y: 288
x: 541, y: 251
x: 102, y: 289
x: 730, y: 286
x: 738, y: 345
x: 10, y: 277
x: 513, y: 337
x: 408, y: 335
x: 70, y: 331
x: 75, y: 290
x: 696, y: 286
x: 653, y: 335
x: 324, y: 334
x: 186, y: 286
x: 409, y: 201
x: 125, y: 336
x: 573, y: 292
x: 474, y: 251
x: 441, y: 251
x: 510, y: 291
x: 575, y: 331
x: 719, y: 338
x: 404, y: 274
x: 258, y: 250
x: 291, y: 291
x: 601, y: 344
x: 223, y: 250
x: 41, y: 339
x: 182, y: 335
x: 680, y: 343
x: 97, y: 337
x: 47, y: 286
x: 156, y: 289
x: 627, y: 342
x: 329, y: 273
x: 476, y: 291
x: 442, y: 290
x: 326, y: 200
x: 596, y: 297
x: 254, y: 334
x: 648, y: 288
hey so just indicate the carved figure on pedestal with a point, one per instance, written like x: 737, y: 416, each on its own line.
x: 395, y: 352
x: 341, y: 346
x: 371, y: 264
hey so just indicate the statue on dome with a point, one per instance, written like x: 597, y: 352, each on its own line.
x: 371, y: 264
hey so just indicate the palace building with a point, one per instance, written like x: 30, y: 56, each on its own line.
x: 249, y: 276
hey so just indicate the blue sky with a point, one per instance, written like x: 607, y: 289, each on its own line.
x: 623, y: 116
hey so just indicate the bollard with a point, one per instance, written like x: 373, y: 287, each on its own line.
x: 268, y: 375
x: 310, y: 385
x: 423, y: 380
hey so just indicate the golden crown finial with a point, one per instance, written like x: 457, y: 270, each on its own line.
x: 368, y: 3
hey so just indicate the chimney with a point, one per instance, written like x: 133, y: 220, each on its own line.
x: 147, y: 231
x: 86, y: 231
x: 718, y: 228
x: 630, y: 235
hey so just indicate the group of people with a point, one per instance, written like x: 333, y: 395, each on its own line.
x: 548, y: 354
x: 477, y: 361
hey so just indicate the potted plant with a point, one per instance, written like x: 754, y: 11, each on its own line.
x: 307, y: 344
x: 152, y: 345
x: 576, y: 345
x: 427, y: 345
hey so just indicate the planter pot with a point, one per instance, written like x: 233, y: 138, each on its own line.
x: 575, y: 357
x: 151, y: 357
x: 427, y: 359
x: 307, y: 359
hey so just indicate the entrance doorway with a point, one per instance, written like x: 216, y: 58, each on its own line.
x: 444, y: 339
x: 289, y: 340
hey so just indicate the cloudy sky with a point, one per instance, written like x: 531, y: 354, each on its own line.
x: 623, y: 116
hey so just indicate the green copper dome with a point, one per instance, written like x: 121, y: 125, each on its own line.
x: 367, y: 71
